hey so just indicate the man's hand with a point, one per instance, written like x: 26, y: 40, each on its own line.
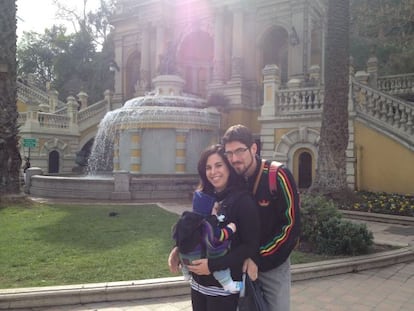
x: 250, y: 267
x: 200, y: 267
x: 174, y: 261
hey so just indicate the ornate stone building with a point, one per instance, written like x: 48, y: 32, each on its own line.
x: 259, y: 63
x: 220, y: 47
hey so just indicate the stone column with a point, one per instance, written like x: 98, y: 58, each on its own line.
x: 362, y: 77
x: 121, y: 186
x: 237, y: 44
x: 218, y: 69
x: 180, y: 151
x: 108, y: 95
x: 118, y: 85
x: 83, y: 98
x: 271, y: 84
x: 28, y: 177
x: 53, y: 100
x: 372, y: 69
x: 144, y: 74
x: 160, y: 45
x: 72, y: 110
x: 135, y: 152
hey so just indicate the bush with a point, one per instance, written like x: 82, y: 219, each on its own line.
x: 343, y: 237
x: 325, y: 232
x: 315, y: 210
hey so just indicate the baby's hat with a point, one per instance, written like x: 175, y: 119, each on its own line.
x: 203, y: 203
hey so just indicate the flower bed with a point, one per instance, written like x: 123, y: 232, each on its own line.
x: 384, y: 203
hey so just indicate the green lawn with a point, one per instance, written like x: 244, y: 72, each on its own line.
x: 43, y: 245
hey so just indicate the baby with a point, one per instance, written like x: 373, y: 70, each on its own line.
x: 204, y: 234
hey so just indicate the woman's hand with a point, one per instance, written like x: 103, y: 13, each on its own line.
x: 250, y: 267
x: 200, y: 267
x: 174, y: 261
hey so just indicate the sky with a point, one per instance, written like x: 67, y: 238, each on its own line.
x: 36, y: 15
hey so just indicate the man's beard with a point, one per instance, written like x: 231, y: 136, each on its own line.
x: 243, y: 170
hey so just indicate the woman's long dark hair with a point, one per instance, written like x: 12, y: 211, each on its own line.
x: 234, y: 179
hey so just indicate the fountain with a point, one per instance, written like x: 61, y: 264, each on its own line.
x: 147, y: 149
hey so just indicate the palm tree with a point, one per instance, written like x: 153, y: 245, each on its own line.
x: 10, y: 160
x: 331, y: 171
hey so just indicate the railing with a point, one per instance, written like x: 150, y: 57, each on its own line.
x: 30, y: 93
x: 92, y: 110
x: 50, y: 120
x: 21, y: 119
x: 300, y: 100
x: 389, y: 112
x: 396, y: 84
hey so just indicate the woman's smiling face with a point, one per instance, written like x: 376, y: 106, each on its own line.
x: 217, y: 172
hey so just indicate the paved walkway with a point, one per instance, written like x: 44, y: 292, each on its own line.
x: 386, y: 289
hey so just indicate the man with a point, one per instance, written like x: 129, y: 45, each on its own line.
x: 279, y: 215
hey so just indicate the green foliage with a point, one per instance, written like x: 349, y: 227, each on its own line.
x: 381, y: 202
x: 46, y: 245
x: 75, y: 244
x: 385, y: 29
x: 327, y: 233
x: 315, y: 210
x: 73, y: 62
x: 343, y: 237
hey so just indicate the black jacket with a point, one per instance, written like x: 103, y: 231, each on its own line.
x: 239, y: 208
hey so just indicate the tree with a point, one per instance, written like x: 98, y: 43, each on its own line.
x: 331, y: 171
x: 384, y: 28
x: 72, y: 62
x: 37, y: 53
x: 10, y: 160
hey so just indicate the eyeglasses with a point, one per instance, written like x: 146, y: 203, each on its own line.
x: 237, y: 152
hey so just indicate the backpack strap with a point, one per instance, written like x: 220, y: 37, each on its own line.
x: 256, y: 183
x: 273, y: 168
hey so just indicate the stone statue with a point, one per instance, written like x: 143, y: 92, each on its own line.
x: 167, y: 60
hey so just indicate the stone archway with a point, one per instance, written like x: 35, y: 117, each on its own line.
x: 54, y: 150
x: 274, y: 50
x: 194, y: 60
x: 291, y: 142
x: 133, y: 74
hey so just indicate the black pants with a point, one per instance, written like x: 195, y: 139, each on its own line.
x: 203, y: 302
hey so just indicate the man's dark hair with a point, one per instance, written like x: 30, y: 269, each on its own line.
x: 238, y: 133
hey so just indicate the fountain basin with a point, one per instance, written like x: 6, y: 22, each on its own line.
x: 145, y: 188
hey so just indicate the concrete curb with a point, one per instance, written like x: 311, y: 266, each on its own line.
x: 384, y: 218
x: 176, y: 286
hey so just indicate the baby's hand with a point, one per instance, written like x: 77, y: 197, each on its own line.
x: 232, y: 226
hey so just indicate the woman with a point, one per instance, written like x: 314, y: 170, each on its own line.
x: 217, y: 178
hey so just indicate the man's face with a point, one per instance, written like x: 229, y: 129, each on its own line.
x: 241, y: 157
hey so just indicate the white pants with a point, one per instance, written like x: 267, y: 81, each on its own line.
x: 276, y: 287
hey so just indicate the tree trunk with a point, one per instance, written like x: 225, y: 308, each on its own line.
x: 10, y: 160
x: 331, y: 171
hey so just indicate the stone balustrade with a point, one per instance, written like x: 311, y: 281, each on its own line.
x: 27, y: 94
x: 388, y: 111
x: 92, y: 110
x: 396, y: 84
x: 21, y: 119
x: 293, y: 100
x: 49, y: 120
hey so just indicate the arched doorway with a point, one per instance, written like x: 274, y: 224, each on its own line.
x: 305, y: 170
x: 275, y: 50
x: 132, y: 74
x: 194, y: 60
x: 53, y: 162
